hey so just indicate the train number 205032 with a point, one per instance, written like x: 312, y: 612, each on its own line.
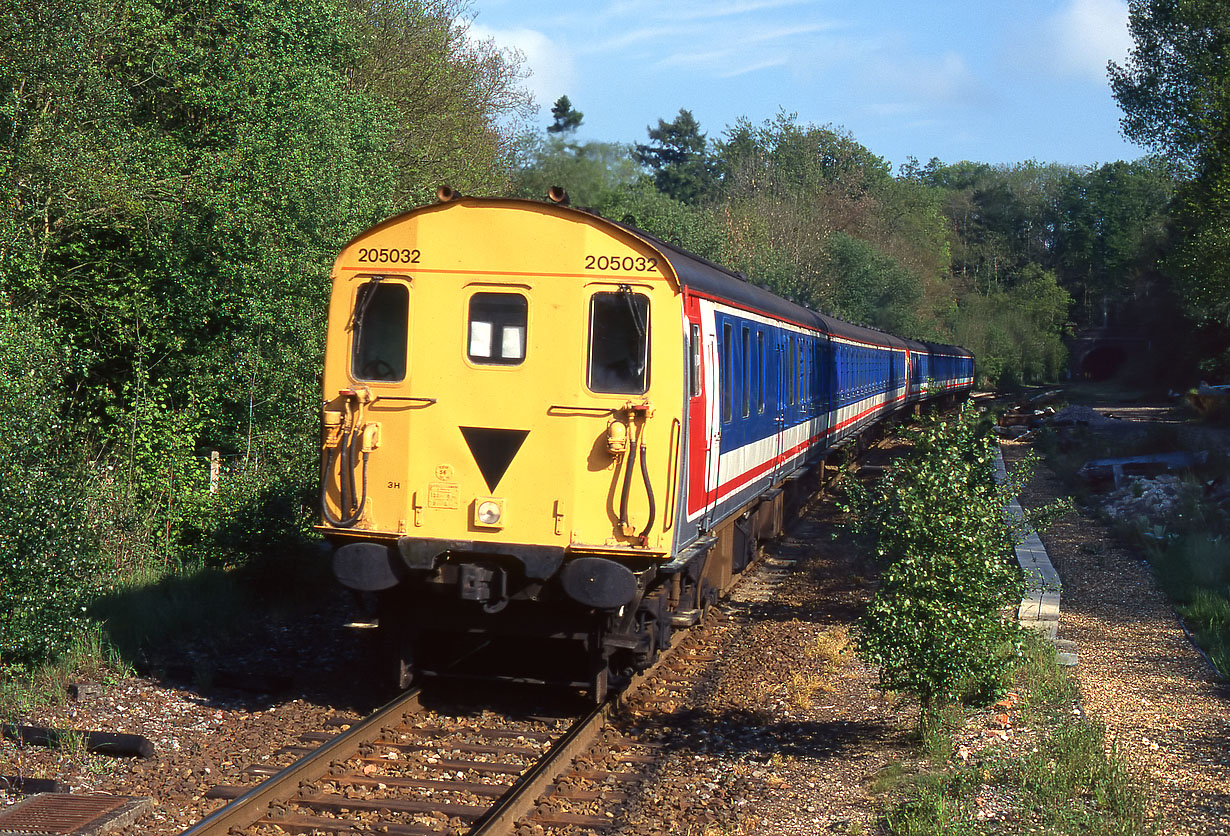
x: 383, y: 255
x: 627, y: 263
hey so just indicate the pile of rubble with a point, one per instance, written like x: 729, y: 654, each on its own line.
x: 1022, y: 420
x: 1147, y: 502
x: 1147, y: 490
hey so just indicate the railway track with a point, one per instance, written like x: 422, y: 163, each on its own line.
x: 412, y: 770
x: 407, y: 769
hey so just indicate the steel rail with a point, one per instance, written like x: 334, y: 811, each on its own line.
x: 252, y: 805
x: 523, y: 796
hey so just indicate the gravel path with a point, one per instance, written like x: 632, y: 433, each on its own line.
x: 1163, y: 706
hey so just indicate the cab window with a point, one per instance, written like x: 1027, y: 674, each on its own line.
x: 497, y: 325
x: 381, y: 317
x: 619, y: 343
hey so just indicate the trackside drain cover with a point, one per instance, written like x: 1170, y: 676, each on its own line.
x: 64, y: 814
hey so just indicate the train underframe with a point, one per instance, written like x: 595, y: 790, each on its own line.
x: 462, y: 615
x: 479, y: 617
x: 459, y: 614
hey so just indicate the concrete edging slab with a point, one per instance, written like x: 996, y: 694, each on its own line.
x: 1039, y: 608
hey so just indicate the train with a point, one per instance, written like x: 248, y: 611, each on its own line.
x: 545, y: 429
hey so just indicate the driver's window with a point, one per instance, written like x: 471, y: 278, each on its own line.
x: 497, y: 325
x: 619, y: 342
x: 381, y: 317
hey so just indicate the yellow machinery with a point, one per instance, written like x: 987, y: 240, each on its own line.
x: 501, y: 422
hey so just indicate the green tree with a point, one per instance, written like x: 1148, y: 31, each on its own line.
x: 175, y: 179
x: 936, y: 626
x: 457, y: 103
x: 566, y: 118
x: 804, y: 208
x: 49, y: 561
x: 590, y: 171
x: 801, y: 161
x: 1113, y: 227
x: 1174, y: 90
x: 641, y: 205
x: 870, y: 287
x: 678, y: 157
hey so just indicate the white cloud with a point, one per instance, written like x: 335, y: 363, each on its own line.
x: 552, y: 72
x: 710, y: 10
x: 1088, y: 33
x: 1075, y: 42
x: 756, y: 66
x: 737, y: 53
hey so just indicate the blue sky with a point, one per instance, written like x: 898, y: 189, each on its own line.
x: 998, y: 81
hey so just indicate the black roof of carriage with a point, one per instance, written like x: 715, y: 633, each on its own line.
x: 700, y: 274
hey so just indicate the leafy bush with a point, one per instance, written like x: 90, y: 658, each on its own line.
x: 936, y: 626
x: 48, y: 553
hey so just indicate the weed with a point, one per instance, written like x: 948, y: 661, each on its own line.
x: 800, y: 689
x: 935, y: 727
x: 1209, y: 614
x: 71, y: 744
x: 1069, y: 779
x: 1067, y: 784
x: 887, y: 778
x: 831, y: 646
x: 1040, y: 676
x: 938, y: 803
x: 89, y: 657
x: 100, y: 766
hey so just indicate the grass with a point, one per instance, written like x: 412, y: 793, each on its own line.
x: 155, y: 615
x: 1069, y: 781
x: 1209, y: 614
x: 831, y: 647
x: 935, y: 730
x: 91, y: 658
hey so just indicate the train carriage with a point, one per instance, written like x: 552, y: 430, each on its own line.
x: 544, y: 425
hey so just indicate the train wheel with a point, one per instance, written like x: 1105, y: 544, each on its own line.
x: 398, y: 639
x: 404, y: 670
x: 598, y: 686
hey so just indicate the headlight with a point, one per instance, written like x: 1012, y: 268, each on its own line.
x: 488, y: 512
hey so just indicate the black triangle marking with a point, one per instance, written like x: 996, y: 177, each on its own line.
x: 493, y: 450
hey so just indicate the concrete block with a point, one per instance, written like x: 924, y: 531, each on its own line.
x: 1047, y: 628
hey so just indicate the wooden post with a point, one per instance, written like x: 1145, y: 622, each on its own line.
x: 215, y: 469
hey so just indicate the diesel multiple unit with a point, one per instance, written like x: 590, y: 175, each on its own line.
x: 544, y: 426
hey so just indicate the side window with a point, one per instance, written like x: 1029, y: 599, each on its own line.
x: 728, y: 347
x: 619, y: 343
x: 381, y: 319
x: 794, y: 370
x: 760, y: 377
x: 496, y: 332
x: 694, y: 366
x: 804, y: 373
x: 781, y: 372
x: 747, y: 370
